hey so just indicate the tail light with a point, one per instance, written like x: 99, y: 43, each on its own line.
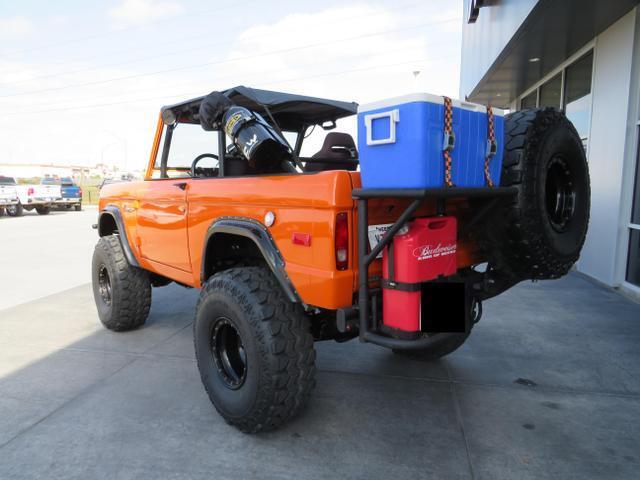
x: 30, y: 191
x: 342, y: 241
x: 80, y: 191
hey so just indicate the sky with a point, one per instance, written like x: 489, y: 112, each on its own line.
x: 82, y: 82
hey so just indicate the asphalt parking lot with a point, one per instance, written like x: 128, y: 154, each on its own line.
x: 548, y: 386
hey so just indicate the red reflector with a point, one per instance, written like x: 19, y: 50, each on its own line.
x: 301, y: 239
x: 342, y: 241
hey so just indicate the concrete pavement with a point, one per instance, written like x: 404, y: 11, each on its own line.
x: 548, y: 386
x: 44, y: 254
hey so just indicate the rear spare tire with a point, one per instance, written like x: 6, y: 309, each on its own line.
x: 254, y: 349
x: 121, y: 291
x: 540, y: 233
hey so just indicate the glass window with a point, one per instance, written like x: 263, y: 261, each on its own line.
x: 633, y: 260
x: 156, y: 164
x: 530, y: 100
x: 550, y: 92
x: 187, y: 142
x: 578, y: 94
x: 635, y: 212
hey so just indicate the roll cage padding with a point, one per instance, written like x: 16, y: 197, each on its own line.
x: 113, y: 213
x: 260, y: 236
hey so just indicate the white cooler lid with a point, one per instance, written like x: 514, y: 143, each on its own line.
x: 426, y: 97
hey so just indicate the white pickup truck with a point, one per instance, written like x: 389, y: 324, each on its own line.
x: 40, y: 197
x: 8, y: 193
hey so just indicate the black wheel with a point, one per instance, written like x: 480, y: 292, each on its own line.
x: 15, y: 210
x: 43, y: 210
x: 254, y: 349
x: 443, y: 344
x: 122, y: 292
x: 78, y: 207
x: 542, y: 231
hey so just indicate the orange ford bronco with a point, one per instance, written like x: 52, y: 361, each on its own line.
x: 289, y: 251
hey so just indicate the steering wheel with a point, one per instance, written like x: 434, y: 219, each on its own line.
x: 193, y: 171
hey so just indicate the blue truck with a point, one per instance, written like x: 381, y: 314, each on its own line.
x: 71, y: 193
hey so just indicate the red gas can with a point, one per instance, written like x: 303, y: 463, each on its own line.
x: 425, y: 252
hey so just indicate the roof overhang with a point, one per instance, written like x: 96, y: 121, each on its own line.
x: 552, y: 32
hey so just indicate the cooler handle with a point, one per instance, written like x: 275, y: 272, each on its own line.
x: 393, y: 116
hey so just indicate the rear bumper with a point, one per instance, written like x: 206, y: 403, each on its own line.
x: 364, y: 316
x: 42, y: 200
x: 68, y: 201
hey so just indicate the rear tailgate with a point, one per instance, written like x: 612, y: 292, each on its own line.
x: 47, y: 192
x: 7, y: 191
x: 70, y: 191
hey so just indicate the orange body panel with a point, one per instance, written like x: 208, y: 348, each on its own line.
x: 167, y: 225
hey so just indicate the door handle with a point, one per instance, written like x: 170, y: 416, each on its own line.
x: 181, y: 185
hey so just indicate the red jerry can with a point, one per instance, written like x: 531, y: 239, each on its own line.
x: 425, y: 252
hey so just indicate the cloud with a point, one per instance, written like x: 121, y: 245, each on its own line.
x: 356, y: 51
x: 11, y: 27
x: 361, y: 51
x: 137, y: 12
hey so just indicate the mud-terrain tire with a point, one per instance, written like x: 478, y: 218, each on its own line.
x: 443, y: 344
x: 254, y: 349
x: 121, y: 291
x: 542, y: 230
x: 15, y: 210
x: 43, y: 210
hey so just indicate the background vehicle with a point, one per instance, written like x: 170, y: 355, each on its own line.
x: 283, y: 257
x: 38, y: 197
x: 8, y: 194
x: 71, y: 193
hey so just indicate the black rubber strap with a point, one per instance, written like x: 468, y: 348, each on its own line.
x: 402, y: 286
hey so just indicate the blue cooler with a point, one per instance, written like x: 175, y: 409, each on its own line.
x: 401, y: 142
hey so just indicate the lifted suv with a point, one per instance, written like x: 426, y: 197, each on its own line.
x: 284, y: 259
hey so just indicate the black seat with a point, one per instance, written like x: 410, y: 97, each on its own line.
x: 236, y: 166
x: 337, y: 146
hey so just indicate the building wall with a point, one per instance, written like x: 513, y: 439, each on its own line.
x: 610, y: 105
x: 483, y: 41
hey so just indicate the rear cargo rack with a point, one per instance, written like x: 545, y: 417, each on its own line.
x: 368, y: 324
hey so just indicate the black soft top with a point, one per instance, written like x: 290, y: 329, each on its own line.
x: 291, y: 111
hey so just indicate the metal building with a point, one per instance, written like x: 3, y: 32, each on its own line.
x: 582, y: 56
